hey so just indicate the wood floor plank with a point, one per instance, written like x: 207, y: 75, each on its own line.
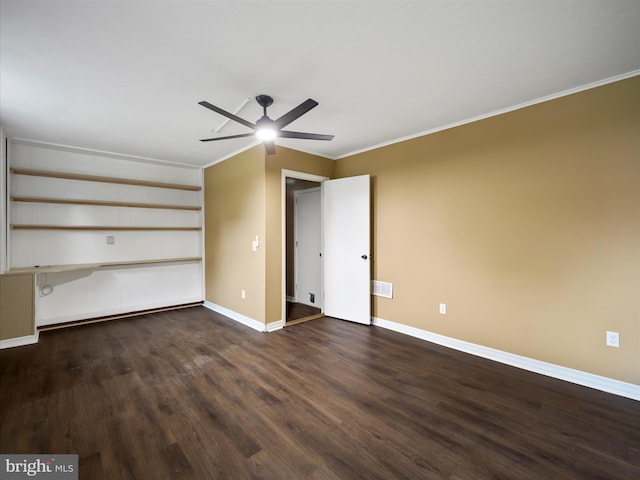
x: 298, y: 311
x: 191, y: 394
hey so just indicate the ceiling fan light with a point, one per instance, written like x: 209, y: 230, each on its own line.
x: 266, y: 133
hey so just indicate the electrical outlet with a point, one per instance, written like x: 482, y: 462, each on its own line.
x: 243, y: 294
x: 111, y: 240
x: 443, y: 308
x: 613, y: 339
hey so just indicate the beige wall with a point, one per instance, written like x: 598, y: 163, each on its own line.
x: 16, y: 306
x: 243, y: 198
x: 234, y: 214
x: 527, y: 225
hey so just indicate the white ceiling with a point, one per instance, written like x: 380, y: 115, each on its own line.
x: 127, y: 76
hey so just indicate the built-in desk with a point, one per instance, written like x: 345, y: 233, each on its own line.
x: 93, y: 266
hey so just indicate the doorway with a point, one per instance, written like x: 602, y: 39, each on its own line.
x: 307, y: 228
x: 302, y: 275
x: 345, y: 239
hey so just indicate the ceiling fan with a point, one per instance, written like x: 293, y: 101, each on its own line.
x: 265, y: 128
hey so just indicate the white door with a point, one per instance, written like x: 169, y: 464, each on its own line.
x: 308, y: 260
x: 347, y: 267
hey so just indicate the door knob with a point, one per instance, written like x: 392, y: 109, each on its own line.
x: 364, y: 257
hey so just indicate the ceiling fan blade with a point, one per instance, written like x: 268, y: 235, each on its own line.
x: 304, y: 136
x: 227, y: 114
x: 270, y: 147
x: 227, y: 137
x: 297, y: 112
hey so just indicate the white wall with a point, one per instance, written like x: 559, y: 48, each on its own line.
x: 82, y: 294
x: 93, y: 292
x: 3, y: 202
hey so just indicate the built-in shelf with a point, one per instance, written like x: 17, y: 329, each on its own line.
x: 176, y: 218
x: 93, y: 266
x: 99, y: 227
x: 97, y: 178
x: 104, y: 203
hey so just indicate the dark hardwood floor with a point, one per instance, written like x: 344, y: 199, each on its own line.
x: 190, y: 394
x: 298, y: 311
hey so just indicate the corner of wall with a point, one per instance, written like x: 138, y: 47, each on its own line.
x: 3, y: 201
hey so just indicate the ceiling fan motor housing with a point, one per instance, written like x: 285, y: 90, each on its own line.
x: 265, y: 122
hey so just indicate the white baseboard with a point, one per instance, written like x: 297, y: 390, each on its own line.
x: 238, y: 317
x: 605, y: 384
x: 273, y: 326
x: 20, y: 341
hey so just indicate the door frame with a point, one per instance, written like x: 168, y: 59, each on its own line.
x: 283, y: 233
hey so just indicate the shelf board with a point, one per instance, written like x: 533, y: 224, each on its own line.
x: 93, y: 266
x: 97, y: 178
x: 104, y: 203
x: 98, y: 227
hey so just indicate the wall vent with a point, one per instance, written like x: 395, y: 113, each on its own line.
x: 382, y: 289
